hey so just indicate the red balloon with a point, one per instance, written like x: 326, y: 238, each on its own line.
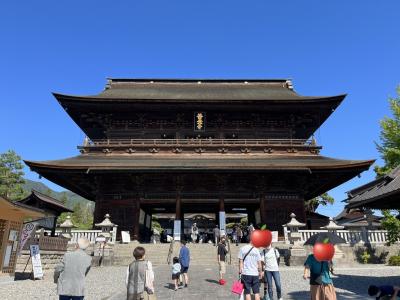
x: 261, y: 238
x: 323, y: 251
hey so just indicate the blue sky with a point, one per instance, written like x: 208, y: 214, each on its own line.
x: 70, y: 47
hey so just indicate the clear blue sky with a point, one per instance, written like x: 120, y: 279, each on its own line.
x: 326, y: 47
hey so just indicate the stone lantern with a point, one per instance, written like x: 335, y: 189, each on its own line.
x: 293, y: 226
x: 104, y: 250
x: 106, y: 227
x: 296, y: 248
x: 333, y: 227
x: 66, y: 228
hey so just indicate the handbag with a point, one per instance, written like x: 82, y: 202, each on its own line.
x: 149, y: 279
x: 318, y: 280
x: 237, y: 287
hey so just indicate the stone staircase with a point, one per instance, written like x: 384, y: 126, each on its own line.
x: 200, y: 254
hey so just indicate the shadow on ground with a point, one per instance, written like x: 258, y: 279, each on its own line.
x: 353, y: 286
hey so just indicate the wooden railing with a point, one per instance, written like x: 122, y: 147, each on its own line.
x: 183, y: 142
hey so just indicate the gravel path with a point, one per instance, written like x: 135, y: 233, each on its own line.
x: 108, y: 283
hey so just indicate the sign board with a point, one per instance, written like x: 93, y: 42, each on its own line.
x: 125, y: 236
x: 177, y: 230
x: 7, y: 256
x: 222, y: 223
x: 36, y: 262
x: 13, y: 235
x: 274, y: 236
x: 26, y: 233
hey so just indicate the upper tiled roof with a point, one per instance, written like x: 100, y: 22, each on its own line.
x: 197, y: 90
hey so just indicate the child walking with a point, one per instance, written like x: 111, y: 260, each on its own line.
x: 176, y: 271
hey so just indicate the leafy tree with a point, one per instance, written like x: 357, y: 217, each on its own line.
x: 64, y: 199
x: 390, y: 138
x: 392, y: 225
x: 49, y: 192
x: 11, y: 176
x: 324, y: 199
x: 155, y: 224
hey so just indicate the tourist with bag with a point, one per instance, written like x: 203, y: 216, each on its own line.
x: 250, y: 270
x: 321, y: 284
x: 271, y: 260
x: 70, y: 274
x: 140, y: 277
x: 221, y: 256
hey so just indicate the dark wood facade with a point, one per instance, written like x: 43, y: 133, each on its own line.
x: 198, y: 146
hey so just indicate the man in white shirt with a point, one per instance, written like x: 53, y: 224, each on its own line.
x: 270, y: 257
x: 250, y: 269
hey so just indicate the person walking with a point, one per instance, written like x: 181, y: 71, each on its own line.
x: 216, y: 233
x: 184, y: 259
x: 321, y: 284
x: 140, y: 277
x: 239, y: 235
x: 70, y: 274
x: 194, y: 233
x: 270, y: 257
x: 234, y: 235
x: 221, y: 256
x: 176, y: 272
x: 250, y: 270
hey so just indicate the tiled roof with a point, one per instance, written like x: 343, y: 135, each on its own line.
x: 197, y: 90
x: 375, y: 190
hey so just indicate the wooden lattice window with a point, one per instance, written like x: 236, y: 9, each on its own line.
x: 3, y: 224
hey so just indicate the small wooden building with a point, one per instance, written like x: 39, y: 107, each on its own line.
x: 50, y: 205
x: 12, y: 216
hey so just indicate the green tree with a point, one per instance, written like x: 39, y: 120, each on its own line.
x: 392, y: 225
x: 11, y: 176
x: 389, y: 148
x: 49, y: 192
x: 324, y: 199
x: 64, y: 199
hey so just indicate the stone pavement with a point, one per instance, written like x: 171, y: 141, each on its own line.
x: 108, y: 283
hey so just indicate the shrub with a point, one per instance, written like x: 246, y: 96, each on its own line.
x: 394, y: 260
x: 365, y: 257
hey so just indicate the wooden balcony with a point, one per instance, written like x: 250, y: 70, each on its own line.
x: 200, y: 145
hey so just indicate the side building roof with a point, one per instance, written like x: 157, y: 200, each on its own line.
x: 381, y: 193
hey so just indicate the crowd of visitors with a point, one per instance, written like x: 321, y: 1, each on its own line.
x: 257, y: 266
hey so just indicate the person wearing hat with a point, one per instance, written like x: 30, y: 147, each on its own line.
x: 70, y: 274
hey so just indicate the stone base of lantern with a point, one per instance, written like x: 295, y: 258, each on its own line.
x: 297, y: 255
x: 103, y: 256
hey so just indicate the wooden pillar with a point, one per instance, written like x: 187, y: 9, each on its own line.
x: 263, y: 209
x: 53, y: 230
x: 179, y: 222
x: 136, y: 217
x: 178, y: 206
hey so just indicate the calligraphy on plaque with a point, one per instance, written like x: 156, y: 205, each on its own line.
x: 199, y: 121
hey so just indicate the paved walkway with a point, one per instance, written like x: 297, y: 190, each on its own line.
x: 108, y: 283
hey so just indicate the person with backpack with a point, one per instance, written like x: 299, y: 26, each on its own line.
x: 271, y: 259
x: 250, y: 270
x: 321, y: 284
